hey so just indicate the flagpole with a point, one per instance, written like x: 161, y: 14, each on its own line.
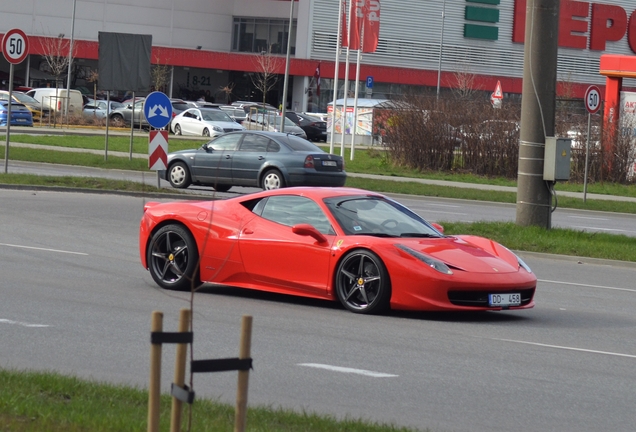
x: 286, y: 80
x: 355, y: 103
x: 346, y: 81
x: 335, y: 77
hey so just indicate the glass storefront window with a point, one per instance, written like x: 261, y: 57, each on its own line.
x: 262, y: 35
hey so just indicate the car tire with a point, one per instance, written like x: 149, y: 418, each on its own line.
x: 179, y: 175
x: 117, y: 120
x: 206, y: 132
x: 173, y: 258
x: 177, y: 129
x: 272, y: 179
x: 222, y: 187
x: 362, y: 283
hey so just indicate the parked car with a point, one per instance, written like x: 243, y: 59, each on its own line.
x: 209, y: 122
x: 98, y: 108
x: 58, y: 100
x: 123, y: 116
x: 360, y: 248
x: 269, y: 160
x: 20, y: 114
x: 36, y: 108
x: 315, y: 128
x: 237, y: 114
x: 271, y: 121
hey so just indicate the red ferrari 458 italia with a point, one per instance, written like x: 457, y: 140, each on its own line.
x: 361, y: 248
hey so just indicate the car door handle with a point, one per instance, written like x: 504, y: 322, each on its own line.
x: 261, y: 157
x: 227, y: 156
x: 248, y: 231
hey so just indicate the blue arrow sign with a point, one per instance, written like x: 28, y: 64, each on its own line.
x: 158, y: 110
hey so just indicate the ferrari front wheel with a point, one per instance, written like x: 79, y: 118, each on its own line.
x: 362, y: 283
x: 173, y: 259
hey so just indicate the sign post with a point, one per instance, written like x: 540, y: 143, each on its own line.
x: 15, y: 47
x: 158, y: 112
x: 592, y: 104
x: 496, y: 98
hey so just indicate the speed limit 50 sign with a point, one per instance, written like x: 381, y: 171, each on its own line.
x: 15, y: 46
x: 592, y: 99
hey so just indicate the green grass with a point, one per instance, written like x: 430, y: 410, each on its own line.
x: 41, y: 401
x: 555, y: 241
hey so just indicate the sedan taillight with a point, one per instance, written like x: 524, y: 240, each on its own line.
x: 309, y: 162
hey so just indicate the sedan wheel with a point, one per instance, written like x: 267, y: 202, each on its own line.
x: 173, y: 259
x: 177, y: 129
x: 117, y: 120
x: 206, y: 132
x: 273, y: 179
x: 362, y: 283
x: 179, y: 176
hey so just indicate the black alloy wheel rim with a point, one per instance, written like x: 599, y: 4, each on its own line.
x: 359, y: 281
x: 169, y: 257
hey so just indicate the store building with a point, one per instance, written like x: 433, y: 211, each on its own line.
x: 210, y: 47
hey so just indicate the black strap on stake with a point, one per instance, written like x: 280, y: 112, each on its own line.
x: 172, y: 338
x: 220, y: 365
x: 182, y: 393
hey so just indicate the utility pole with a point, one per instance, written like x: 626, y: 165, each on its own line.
x: 538, y: 102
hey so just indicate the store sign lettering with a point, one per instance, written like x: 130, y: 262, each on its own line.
x: 606, y: 23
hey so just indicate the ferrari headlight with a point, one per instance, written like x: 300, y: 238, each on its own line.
x: 430, y: 261
x: 523, y: 264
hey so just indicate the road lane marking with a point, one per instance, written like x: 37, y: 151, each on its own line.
x: 43, y: 249
x: 23, y: 324
x: 348, y: 370
x: 602, y: 229
x: 587, y: 285
x: 590, y: 218
x: 568, y: 348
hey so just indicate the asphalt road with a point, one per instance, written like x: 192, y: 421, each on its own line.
x: 76, y: 300
x: 433, y: 209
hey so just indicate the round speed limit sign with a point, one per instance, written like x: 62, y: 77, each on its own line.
x: 592, y: 99
x: 15, y: 46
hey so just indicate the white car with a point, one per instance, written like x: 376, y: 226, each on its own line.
x: 210, y: 122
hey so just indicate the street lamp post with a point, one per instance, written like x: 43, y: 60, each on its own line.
x: 70, y: 58
x: 441, y: 45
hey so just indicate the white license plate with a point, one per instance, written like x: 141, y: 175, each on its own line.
x: 504, y: 299
x: 329, y: 163
x: 21, y: 120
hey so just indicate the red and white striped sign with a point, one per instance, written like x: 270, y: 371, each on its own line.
x: 158, y: 150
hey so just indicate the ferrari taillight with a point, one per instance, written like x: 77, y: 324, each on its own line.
x: 309, y: 162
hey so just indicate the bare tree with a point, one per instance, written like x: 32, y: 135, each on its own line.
x: 160, y: 75
x: 93, y: 77
x: 227, y: 91
x: 266, y: 77
x: 56, y: 52
x: 464, y: 87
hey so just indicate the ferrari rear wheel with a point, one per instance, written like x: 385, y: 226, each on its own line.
x: 179, y: 175
x: 173, y: 259
x: 362, y: 283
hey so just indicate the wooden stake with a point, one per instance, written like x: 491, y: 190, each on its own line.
x: 179, y: 371
x: 154, y: 388
x: 243, y: 376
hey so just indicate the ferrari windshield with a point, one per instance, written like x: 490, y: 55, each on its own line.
x: 377, y: 216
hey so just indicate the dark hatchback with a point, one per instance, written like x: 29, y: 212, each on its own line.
x: 315, y: 128
x: 269, y: 160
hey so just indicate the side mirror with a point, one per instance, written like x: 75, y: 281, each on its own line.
x: 438, y: 227
x: 309, y: 230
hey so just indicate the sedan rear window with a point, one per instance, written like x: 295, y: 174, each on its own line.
x: 300, y: 144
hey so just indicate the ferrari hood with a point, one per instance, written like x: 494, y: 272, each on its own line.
x: 485, y: 257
